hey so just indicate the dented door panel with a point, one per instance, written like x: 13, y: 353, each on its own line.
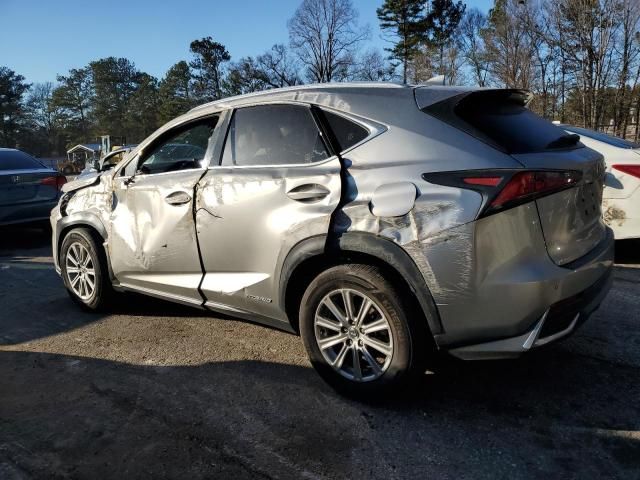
x: 152, y: 238
x: 247, y: 223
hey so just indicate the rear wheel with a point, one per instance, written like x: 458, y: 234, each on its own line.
x: 359, y: 333
x: 84, y: 270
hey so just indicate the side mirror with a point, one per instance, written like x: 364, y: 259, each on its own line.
x: 106, y: 167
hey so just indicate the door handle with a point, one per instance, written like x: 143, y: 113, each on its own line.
x: 177, y: 198
x: 307, y: 193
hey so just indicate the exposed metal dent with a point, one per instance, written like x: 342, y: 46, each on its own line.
x: 152, y: 241
x: 437, y: 217
x: 254, y: 204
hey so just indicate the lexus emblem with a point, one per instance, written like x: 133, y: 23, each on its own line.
x: 15, y: 178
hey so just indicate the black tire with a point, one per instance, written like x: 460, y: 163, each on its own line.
x: 412, y: 344
x: 103, y: 291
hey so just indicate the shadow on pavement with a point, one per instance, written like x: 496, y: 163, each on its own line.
x: 558, y: 413
x: 628, y: 251
x: 568, y: 410
x: 14, y: 238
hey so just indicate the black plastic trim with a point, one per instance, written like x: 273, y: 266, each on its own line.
x: 360, y: 242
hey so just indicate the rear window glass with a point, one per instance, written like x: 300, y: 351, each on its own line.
x: 17, y: 160
x: 601, y: 137
x: 500, y: 119
x: 346, y: 132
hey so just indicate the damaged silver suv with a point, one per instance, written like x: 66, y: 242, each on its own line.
x: 379, y: 221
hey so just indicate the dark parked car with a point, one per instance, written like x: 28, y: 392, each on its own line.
x: 28, y: 189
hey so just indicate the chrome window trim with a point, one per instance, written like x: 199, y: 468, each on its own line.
x: 374, y: 128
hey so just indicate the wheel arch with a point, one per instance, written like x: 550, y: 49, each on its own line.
x: 82, y: 220
x: 313, y: 255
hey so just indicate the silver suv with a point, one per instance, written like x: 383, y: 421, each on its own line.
x: 379, y: 221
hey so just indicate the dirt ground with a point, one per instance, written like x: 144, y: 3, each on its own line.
x: 158, y: 390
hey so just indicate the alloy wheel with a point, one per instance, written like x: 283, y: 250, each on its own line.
x: 353, y: 335
x: 81, y: 273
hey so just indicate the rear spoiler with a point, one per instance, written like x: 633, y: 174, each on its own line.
x: 428, y: 96
x: 442, y: 104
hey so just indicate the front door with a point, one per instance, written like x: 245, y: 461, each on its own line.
x: 277, y: 184
x: 152, y: 241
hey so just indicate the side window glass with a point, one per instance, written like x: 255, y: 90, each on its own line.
x: 273, y: 135
x: 180, y: 149
x: 346, y: 132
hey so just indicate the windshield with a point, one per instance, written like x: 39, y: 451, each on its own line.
x: 601, y: 137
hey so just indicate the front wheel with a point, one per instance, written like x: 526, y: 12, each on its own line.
x: 84, y: 270
x: 359, y: 334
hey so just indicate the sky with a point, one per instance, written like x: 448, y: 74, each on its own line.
x: 42, y: 38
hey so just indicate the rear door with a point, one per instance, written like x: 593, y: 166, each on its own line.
x: 277, y: 184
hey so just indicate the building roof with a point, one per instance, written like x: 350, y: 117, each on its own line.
x: 87, y: 147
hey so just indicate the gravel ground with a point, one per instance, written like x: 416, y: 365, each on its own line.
x: 157, y: 390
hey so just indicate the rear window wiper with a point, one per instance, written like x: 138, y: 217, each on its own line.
x: 568, y: 140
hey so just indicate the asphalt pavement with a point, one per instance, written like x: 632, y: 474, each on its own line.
x: 153, y: 389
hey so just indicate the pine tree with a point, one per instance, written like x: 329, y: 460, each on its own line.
x: 405, y: 18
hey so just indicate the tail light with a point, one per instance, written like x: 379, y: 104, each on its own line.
x: 57, y: 181
x: 633, y: 170
x: 502, y: 189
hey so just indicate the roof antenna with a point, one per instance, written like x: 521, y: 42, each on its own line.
x: 437, y: 80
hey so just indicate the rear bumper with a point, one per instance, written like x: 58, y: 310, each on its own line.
x: 559, y: 320
x: 493, y: 279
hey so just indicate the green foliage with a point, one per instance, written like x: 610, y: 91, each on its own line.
x: 45, y: 128
x: 442, y: 22
x: 115, y: 80
x: 244, y: 77
x: 406, y: 20
x: 143, y: 109
x: 175, y: 96
x: 443, y: 19
x: 12, y: 89
x: 208, y: 65
x: 74, y: 98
